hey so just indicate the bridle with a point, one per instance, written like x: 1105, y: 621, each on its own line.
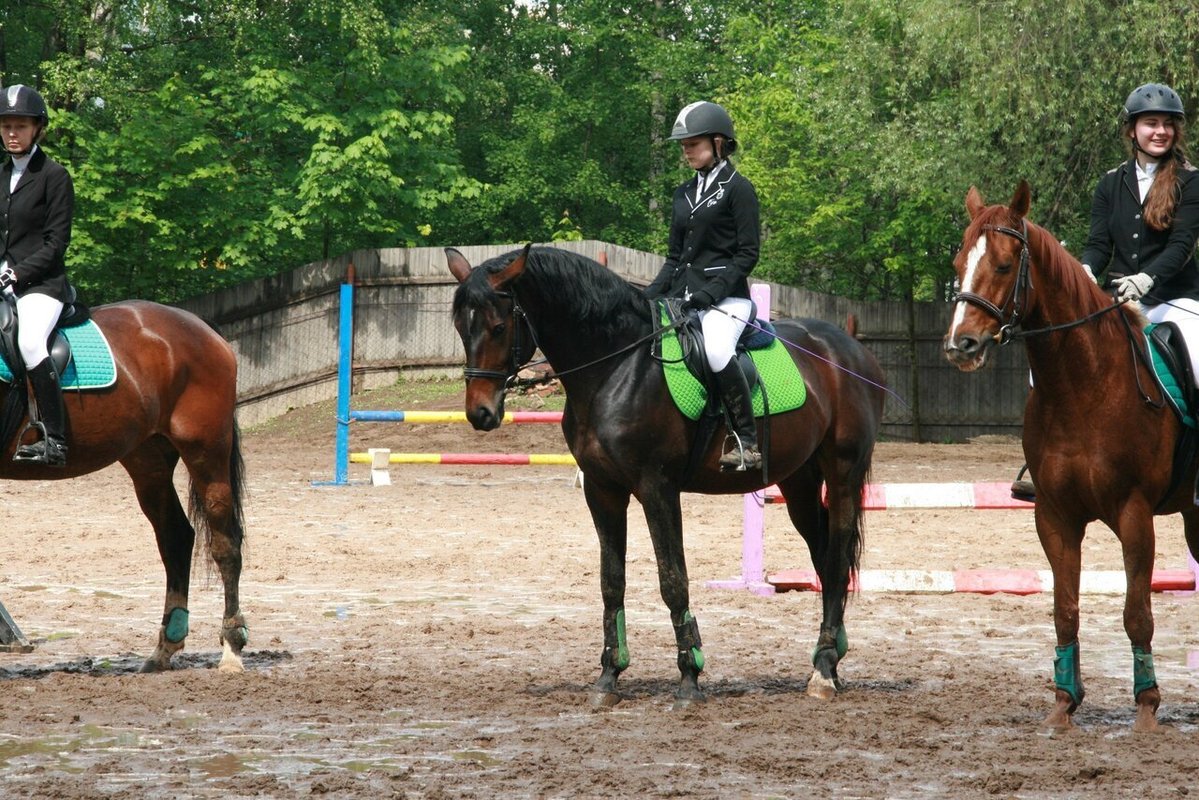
x: 1018, y: 299
x: 522, y: 338
x: 518, y: 358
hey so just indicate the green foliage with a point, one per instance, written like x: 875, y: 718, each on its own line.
x: 213, y: 141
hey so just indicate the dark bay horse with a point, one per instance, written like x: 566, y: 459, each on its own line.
x: 173, y: 399
x: 630, y: 440
x: 1098, y: 435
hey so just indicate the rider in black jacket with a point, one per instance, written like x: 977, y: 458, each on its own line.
x: 713, y: 247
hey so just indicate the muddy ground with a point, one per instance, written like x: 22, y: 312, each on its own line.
x: 438, y: 638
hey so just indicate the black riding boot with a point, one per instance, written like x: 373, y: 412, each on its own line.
x: 738, y: 403
x: 47, y: 394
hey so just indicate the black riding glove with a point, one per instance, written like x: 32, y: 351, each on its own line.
x: 697, y: 302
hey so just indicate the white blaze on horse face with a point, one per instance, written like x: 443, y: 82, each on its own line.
x: 972, y: 258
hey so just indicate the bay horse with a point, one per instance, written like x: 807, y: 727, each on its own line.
x: 1098, y: 436
x: 173, y: 399
x: 630, y: 440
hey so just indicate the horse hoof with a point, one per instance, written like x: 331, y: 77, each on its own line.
x: 604, y: 700
x: 1146, y: 721
x: 821, y: 688
x: 1058, y: 720
x: 230, y: 661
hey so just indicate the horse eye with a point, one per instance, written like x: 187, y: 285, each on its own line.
x: 498, y: 329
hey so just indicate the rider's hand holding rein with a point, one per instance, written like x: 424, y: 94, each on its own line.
x: 1133, y: 287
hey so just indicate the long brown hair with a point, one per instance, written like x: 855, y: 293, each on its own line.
x: 1164, y: 193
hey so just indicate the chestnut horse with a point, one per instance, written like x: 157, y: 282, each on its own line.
x: 1098, y: 435
x: 173, y: 399
x: 630, y: 440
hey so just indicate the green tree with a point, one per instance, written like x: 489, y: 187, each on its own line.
x: 213, y: 142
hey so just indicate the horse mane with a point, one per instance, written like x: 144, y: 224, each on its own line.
x: 599, y: 301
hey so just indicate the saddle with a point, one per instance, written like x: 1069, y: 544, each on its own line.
x: 1169, y: 352
x: 691, y: 338
x: 73, y: 314
x: 691, y: 341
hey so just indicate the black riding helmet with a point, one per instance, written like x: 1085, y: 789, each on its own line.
x: 1153, y: 97
x: 19, y: 100
x: 698, y: 119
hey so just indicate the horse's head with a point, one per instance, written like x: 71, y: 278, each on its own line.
x: 993, y: 281
x: 494, y: 331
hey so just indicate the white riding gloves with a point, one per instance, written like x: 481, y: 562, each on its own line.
x: 1133, y: 287
x: 1087, y: 269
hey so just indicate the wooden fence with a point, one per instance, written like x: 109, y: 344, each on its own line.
x: 284, y: 329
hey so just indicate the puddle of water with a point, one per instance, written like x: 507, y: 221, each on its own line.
x: 226, y: 765
x: 480, y: 757
x: 60, y: 748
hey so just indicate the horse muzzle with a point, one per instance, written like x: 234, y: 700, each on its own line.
x: 968, y: 352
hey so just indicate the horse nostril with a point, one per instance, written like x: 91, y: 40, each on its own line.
x: 968, y: 344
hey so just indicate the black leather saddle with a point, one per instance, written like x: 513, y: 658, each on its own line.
x: 691, y: 340
x: 73, y: 313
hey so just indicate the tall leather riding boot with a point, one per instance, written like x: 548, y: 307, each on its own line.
x: 738, y: 403
x: 47, y: 393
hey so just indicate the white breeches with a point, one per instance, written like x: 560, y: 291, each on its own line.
x: 721, y: 331
x: 37, y: 315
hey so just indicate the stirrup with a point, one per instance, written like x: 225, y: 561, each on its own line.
x: 43, y: 451
x: 741, y: 458
x: 1024, y: 489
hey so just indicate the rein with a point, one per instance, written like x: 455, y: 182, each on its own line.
x: 519, y: 362
x: 1019, y: 297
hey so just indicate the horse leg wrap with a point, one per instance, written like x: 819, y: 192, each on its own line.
x: 1066, y: 673
x: 687, y: 637
x: 1143, y: 676
x: 832, y: 639
x: 174, y: 624
x: 616, y: 645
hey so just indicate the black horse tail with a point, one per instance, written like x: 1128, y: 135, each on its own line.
x: 237, y: 488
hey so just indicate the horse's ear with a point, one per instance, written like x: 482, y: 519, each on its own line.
x: 511, y: 272
x: 459, y: 266
x: 974, y: 202
x: 1022, y: 199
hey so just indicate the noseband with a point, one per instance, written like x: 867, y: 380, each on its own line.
x: 517, y: 357
x: 1020, y: 288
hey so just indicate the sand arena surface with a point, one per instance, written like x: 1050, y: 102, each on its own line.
x: 438, y: 638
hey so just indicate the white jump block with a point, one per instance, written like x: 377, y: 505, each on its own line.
x: 380, y: 460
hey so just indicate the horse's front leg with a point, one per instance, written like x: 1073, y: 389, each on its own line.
x: 1062, y: 543
x: 609, y: 512
x: 665, y: 519
x: 1137, y: 543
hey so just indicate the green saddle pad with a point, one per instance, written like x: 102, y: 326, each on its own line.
x: 784, y: 384
x: 91, y: 365
x: 1169, y: 382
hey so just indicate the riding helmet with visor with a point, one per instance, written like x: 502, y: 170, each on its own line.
x: 1154, y: 98
x: 705, y: 118
x: 19, y: 100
